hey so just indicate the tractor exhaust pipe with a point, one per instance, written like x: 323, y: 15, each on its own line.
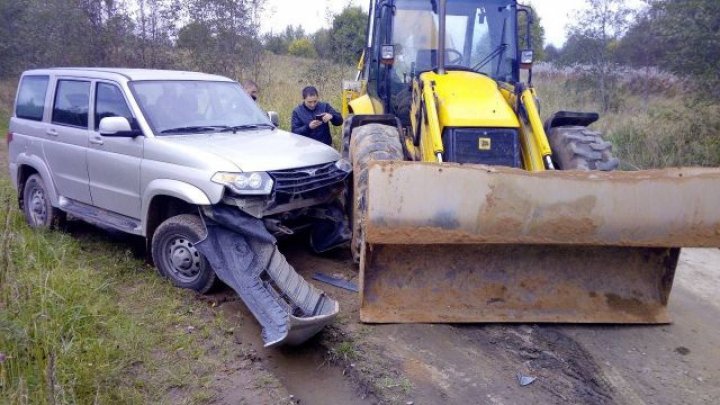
x: 442, y: 11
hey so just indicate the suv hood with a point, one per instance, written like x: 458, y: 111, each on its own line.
x: 259, y: 150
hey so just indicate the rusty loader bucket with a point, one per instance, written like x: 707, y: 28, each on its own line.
x: 454, y: 243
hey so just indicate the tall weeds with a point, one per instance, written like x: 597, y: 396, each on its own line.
x: 655, y: 122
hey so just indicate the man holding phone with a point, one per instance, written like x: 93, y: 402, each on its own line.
x: 312, y: 117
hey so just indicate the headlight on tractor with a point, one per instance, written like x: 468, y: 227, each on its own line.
x: 252, y: 183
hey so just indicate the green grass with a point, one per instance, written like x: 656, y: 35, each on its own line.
x: 665, y: 128
x: 83, y: 320
x: 284, y: 77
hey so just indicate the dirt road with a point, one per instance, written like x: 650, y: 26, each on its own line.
x: 428, y: 364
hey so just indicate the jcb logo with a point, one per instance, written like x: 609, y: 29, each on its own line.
x: 485, y: 144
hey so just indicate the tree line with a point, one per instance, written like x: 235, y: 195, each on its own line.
x: 678, y: 36
x: 223, y: 36
x: 215, y: 36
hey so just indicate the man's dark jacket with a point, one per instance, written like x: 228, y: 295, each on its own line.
x: 302, y: 116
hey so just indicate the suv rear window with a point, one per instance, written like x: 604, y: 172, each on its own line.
x: 31, y: 98
x: 72, y: 103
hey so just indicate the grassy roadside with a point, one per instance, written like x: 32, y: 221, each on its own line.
x: 664, y: 126
x: 284, y: 77
x: 84, y: 320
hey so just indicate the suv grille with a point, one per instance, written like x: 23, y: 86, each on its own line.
x: 306, y: 182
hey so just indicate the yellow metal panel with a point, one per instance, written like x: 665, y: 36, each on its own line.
x: 528, y: 100
x: 365, y: 105
x: 530, y: 139
x: 431, y: 142
x: 351, y: 90
x: 467, y: 99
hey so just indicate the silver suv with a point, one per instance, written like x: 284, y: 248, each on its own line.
x: 153, y: 153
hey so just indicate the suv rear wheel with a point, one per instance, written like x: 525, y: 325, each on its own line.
x: 177, y: 258
x: 38, y: 210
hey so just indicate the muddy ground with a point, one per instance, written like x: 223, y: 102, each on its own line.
x: 351, y: 363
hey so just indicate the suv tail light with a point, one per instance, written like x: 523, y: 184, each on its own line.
x: 9, y: 138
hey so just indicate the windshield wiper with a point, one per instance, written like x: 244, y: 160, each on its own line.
x: 498, y: 51
x: 245, y: 127
x: 492, y: 55
x: 193, y: 129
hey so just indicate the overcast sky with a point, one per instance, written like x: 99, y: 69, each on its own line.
x: 314, y: 14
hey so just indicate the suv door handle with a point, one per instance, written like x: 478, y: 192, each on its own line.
x: 96, y: 140
x: 51, y: 132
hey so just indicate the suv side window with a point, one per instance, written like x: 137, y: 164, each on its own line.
x: 109, y: 102
x: 31, y: 98
x: 72, y: 103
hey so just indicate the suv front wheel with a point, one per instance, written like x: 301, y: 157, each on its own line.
x: 177, y: 258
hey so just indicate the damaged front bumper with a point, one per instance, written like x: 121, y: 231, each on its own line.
x: 245, y: 256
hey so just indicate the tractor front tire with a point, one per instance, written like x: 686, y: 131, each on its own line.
x: 371, y: 142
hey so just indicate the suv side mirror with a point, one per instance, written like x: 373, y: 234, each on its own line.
x: 118, y: 127
x: 274, y: 118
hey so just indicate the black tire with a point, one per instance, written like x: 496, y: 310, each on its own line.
x: 579, y: 148
x: 175, y: 255
x: 38, y: 210
x: 367, y: 143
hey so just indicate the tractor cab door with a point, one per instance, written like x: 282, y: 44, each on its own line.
x: 411, y: 27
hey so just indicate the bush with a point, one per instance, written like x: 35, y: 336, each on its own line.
x: 303, y: 48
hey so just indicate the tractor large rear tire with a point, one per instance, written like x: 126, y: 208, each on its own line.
x: 579, y: 148
x: 368, y: 143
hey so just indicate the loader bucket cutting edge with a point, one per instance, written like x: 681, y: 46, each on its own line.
x: 455, y: 243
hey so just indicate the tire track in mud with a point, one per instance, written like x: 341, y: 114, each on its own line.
x: 565, y: 370
x: 459, y: 363
x: 309, y: 372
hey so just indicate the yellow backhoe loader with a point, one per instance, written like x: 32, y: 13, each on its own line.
x: 467, y: 208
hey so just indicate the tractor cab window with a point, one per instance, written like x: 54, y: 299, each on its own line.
x: 481, y: 35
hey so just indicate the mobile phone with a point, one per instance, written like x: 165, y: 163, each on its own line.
x: 319, y: 117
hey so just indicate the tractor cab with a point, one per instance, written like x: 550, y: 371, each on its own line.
x: 407, y: 40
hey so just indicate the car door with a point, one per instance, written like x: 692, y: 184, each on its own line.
x: 66, y: 138
x: 114, y: 162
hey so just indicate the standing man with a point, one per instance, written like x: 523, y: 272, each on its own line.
x: 311, y: 118
x: 251, y: 88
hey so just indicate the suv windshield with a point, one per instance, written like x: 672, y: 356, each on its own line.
x: 182, y: 107
x: 480, y: 35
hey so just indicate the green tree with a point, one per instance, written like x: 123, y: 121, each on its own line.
x: 12, y: 14
x: 592, y: 41
x: 279, y: 44
x: 323, y: 44
x: 302, y: 47
x: 641, y: 46
x: 226, y: 35
x: 689, y: 30
x: 347, y: 35
x: 537, y: 34
x: 551, y: 53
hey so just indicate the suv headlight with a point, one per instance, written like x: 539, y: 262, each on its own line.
x: 344, y: 165
x: 251, y: 183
